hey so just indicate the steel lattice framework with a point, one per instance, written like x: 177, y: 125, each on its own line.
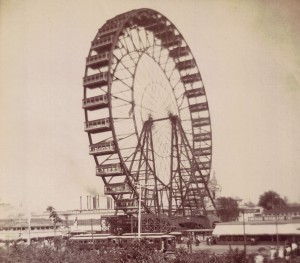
x: 147, y: 116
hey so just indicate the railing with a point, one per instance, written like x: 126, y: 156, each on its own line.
x: 103, y: 41
x: 191, y: 78
x: 95, y: 79
x: 97, y: 124
x: 119, y: 188
x: 200, y: 122
x: 202, y: 136
x: 195, y: 92
x: 94, y: 101
x: 109, y: 169
x: 104, y: 147
x: 108, y: 29
x: 103, y: 57
x: 123, y: 204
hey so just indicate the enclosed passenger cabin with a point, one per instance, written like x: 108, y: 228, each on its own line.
x: 109, y: 169
x: 157, y: 241
x: 186, y: 64
x: 117, y: 188
x: 199, y: 107
x: 103, y: 43
x: 204, y: 165
x: 195, y: 92
x: 144, y: 19
x: 95, y: 80
x: 109, y: 29
x: 179, y: 52
x: 201, y: 180
x: 95, y: 241
x: 172, y: 41
x: 202, y: 151
x: 98, y: 60
x: 95, y: 103
x: 99, y: 125
x: 205, y: 136
x: 102, y: 148
x: 166, y: 32
x: 191, y: 78
x: 200, y: 122
x: 123, y: 204
x: 156, y: 26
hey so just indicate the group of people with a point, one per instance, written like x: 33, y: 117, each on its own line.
x: 283, y: 254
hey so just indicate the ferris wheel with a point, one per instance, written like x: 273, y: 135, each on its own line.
x: 147, y: 116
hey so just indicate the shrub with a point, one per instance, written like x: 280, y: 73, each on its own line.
x: 137, y: 252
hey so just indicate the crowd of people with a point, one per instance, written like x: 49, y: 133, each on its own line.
x: 284, y: 253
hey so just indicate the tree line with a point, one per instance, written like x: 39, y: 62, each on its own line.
x: 227, y: 208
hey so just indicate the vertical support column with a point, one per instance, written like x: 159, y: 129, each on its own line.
x: 171, y: 172
x: 154, y: 170
x: 187, y: 145
x: 175, y: 121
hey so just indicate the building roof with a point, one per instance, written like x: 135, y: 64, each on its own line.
x: 261, y: 228
x: 287, y: 209
x: 17, y: 222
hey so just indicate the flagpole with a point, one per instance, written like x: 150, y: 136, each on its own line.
x: 29, y: 228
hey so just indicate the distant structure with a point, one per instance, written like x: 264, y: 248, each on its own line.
x: 152, y: 143
x: 248, y: 211
x: 91, y: 216
x: 280, y: 213
x: 214, y: 187
x: 275, y: 226
x: 90, y: 202
x: 33, y: 229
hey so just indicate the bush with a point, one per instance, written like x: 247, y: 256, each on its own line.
x: 67, y: 252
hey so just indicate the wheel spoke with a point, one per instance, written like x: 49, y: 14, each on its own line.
x: 147, y: 115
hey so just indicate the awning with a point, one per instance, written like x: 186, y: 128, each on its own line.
x: 257, y: 229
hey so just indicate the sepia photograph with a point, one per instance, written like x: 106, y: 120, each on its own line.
x: 149, y: 131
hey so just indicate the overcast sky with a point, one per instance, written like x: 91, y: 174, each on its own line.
x: 248, y: 53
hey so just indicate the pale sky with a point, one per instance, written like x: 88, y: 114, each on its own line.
x: 248, y: 53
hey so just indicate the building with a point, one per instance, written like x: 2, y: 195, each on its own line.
x: 248, y: 211
x: 214, y: 187
x: 29, y: 229
x: 288, y: 212
x: 258, y: 231
x: 37, y: 226
x: 271, y: 226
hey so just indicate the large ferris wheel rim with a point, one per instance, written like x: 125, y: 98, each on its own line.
x: 129, y: 15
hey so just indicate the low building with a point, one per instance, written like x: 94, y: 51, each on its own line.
x: 249, y: 211
x: 32, y: 229
x: 261, y: 231
x: 288, y: 212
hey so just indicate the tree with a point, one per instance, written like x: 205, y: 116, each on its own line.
x: 269, y: 200
x: 54, y: 216
x: 227, y: 209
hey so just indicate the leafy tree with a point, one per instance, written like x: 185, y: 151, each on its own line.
x: 271, y: 199
x: 227, y: 209
x: 53, y: 215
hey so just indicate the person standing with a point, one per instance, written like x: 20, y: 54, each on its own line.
x: 281, y: 253
x: 259, y: 258
x: 294, y: 249
x: 272, y: 253
x: 197, y: 241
